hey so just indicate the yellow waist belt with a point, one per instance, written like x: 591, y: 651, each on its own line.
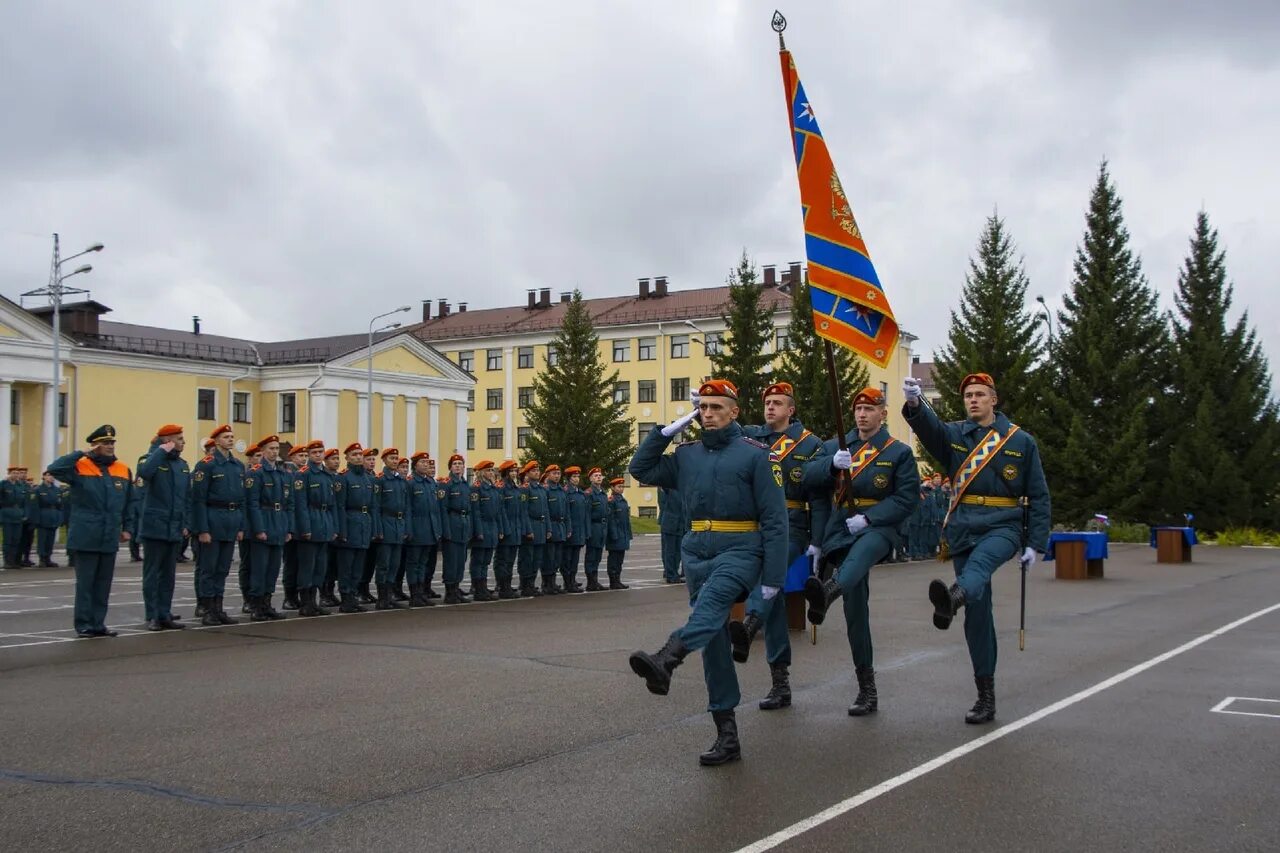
x: 797, y: 505
x: 704, y: 525
x: 862, y: 501
x: 988, y: 500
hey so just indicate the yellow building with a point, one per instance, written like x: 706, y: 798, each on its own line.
x: 657, y: 338
x: 139, y: 377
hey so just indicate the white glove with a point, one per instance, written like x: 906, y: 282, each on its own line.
x: 695, y: 398
x: 768, y: 592
x: 842, y: 459
x: 813, y: 551
x: 1028, y: 558
x: 856, y: 523
x: 911, y: 391
x: 679, y: 424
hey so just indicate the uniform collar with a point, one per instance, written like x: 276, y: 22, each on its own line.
x: 877, y: 441
x: 1001, y: 425
x: 715, y: 439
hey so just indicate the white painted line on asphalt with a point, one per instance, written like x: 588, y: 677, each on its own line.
x: 1220, y: 708
x: 845, y: 806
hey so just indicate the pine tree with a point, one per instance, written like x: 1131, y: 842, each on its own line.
x: 1103, y: 448
x: 742, y: 358
x: 804, y: 365
x: 573, y: 418
x: 1223, y: 466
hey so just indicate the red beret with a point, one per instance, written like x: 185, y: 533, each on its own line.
x: 483, y: 465
x: 370, y: 451
x: 252, y: 449
x: 169, y: 429
x: 977, y: 379
x: 457, y: 457
x: 220, y: 430
x: 571, y: 470
x: 389, y: 451
x: 870, y: 396
x: 618, y: 481
x: 297, y: 450
x: 594, y: 471
x: 263, y: 442
x: 528, y: 466
x: 207, y: 443
x: 353, y: 447
x: 332, y: 451
x: 421, y: 454
x: 552, y: 467
x: 507, y: 465
x: 783, y: 388
x: 718, y: 388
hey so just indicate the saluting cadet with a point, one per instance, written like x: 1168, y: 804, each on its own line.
x: 993, y: 463
x: 504, y: 557
x: 791, y: 445
x: 101, y: 491
x: 46, y: 515
x: 315, y: 519
x: 165, y: 514
x: 617, y: 539
x: 578, y: 526
x: 252, y: 456
x: 425, y: 527
x: 534, y: 526
x: 486, y: 526
x: 217, y: 513
x: 737, y: 539
x: 297, y: 458
x: 270, y: 523
x: 598, y: 519
x: 456, y: 503
x: 868, y: 506
x: 392, y: 525
x: 672, y: 523
x: 557, y: 526
x: 15, y: 496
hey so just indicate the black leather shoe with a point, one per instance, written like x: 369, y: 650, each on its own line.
x: 170, y: 625
x: 868, y: 700
x: 946, y: 603
x: 726, y: 748
x: 984, y: 710
x: 820, y: 595
x: 105, y: 632
x: 154, y: 625
x: 741, y: 634
x: 780, y: 694
x: 656, y: 668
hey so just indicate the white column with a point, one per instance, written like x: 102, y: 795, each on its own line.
x: 6, y: 431
x: 509, y: 403
x: 388, y: 412
x: 410, y: 427
x: 50, y: 417
x: 362, y: 416
x: 433, y: 429
x: 462, y: 429
x: 324, y: 416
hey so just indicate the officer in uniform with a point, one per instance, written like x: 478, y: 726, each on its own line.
x: 455, y: 496
x: 993, y: 463
x: 15, y: 498
x: 252, y: 456
x: 101, y: 492
x: 558, y: 525
x: 393, y: 526
x: 315, y: 519
x: 217, y: 513
x: 270, y: 516
x: 617, y: 537
x: 792, y: 445
x: 425, y: 527
x: 165, y: 496
x: 534, y: 526
x: 737, y: 539
x: 297, y: 458
x: 486, y: 529
x: 578, y: 524
x: 673, y: 523
x: 46, y: 515
x: 867, y: 508
x: 504, y: 557
x: 598, y: 521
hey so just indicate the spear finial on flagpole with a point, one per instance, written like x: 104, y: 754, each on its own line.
x: 779, y: 24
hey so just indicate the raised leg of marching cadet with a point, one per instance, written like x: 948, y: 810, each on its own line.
x: 159, y: 566
x: 430, y: 556
x: 550, y: 567
x: 591, y: 567
x: 262, y: 579
x: 530, y: 563
x: 386, y: 564
x: 569, y: 557
x: 480, y: 559
x: 215, y: 565
x: 94, y: 572
x: 290, y: 579
x: 614, y: 567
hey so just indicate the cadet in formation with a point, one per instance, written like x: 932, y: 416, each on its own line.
x: 392, y: 526
x: 486, y: 529
x: 617, y: 539
x: 504, y: 556
x: 315, y: 518
x: 533, y: 522
x: 577, y: 538
x: 252, y: 456
x: 871, y: 487
x: 15, y: 497
x: 994, y: 465
x: 356, y: 493
x: 425, y: 527
x: 217, y: 516
x: 558, y: 526
x: 270, y: 522
x: 455, y: 498
x: 672, y: 522
x: 598, y: 519
x: 46, y: 516
x: 165, y: 481
x: 737, y: 540
x: 289, y: 558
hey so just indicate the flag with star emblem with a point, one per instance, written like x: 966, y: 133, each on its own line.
x: 850, y: 308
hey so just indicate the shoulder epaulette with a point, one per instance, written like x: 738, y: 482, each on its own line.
x: 207, y: 459
x: 751, y: 441
x: 256, y: 467
x: 302, y: 469
x: 379, y: 474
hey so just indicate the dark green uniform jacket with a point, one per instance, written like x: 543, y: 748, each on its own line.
x: 425, y: 525
x: 101, y: 492
x: 166, y: 499
x: 486, y: 520
x: 217, y: 497
x: 457, y: 509
x: 46, y: 505
x: 315, y: 516
x: 357, y: 495
x: 618, y: 535
x: 270, y: 502
x: 892, y: 479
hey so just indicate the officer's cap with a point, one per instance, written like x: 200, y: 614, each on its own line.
x: 353, y: 447
x: 977, y: 379
x: 220, y: 430
x: 483, y: 465
x: 618, y: 481
x: 571, y: 470
x: 106, y: 432
x: 168, y: 430
x: 783, y: 388
x: 718, y: 388
x: 869, y: 396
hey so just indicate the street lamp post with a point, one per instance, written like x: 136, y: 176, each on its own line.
x: 368, y: 400
x: 1048, y: 319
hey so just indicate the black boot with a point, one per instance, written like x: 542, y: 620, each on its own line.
x: 397, y: 592
x: 984, y: 710
x: 246, y: 603
x: 946, y: 603
x: 482, y: 592
x: 384, y: 597
x: 726, y: 748
x: 258, y: 611
x: 656, y: 668
x: 505, y: 592
x: 201, y: 608
x: 208, y: 616
x: 820, y: 595
x: 135, y: 554
x: 780, y: 694
x: 327, y: 598
x: 615, y: 581
x: 348, y: 604
x: 316, y: 609
x: 868, y: 700
x: 741, y: 634
x: 270, y: 609
x: 416, y: 598
x: 593, y: 584
x: 571, y: 584
x: 366, y: 597
x: 451, y: 595
x: 549, y: 586
x: 222, y: 614
x: 290, y: 600
x: 431, y: 593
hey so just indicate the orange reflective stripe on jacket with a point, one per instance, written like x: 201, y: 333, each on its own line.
x: 86, y: 467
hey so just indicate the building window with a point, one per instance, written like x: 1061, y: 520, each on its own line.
x: 495, y: 438
x: 622, y: 350
x: 15, y: 406
x: 240, y: 407
x: 679, y: 346
x: 471, y: 439
x: 647, y: 391
x: 493, y: 359
x: 524, y: 357
x: 780, y: 341
x: 679, y: 389
x: 471, y: 400
x: 493, y: 398
x: 524, y: 396
x: 467, y: 360
x: 648, y: 349
x: 289, y: 412
x: 62, y: 408
x: 714, y: 341
x: 522, y: 436
x: 644, y: 429
x: 622, y: 393
x: 206, y: 404
x: 553, y: 357
x: 648, y: 511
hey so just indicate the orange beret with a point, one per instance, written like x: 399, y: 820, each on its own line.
x: 331, y: 452
x: 618, y: 481
x: 594, y: 471
x: 13, y: 469
x: 220, y: 430
x: 783, y: 388
x: 483, y: 465
x: 421, y: 454
x: 528, y: 466
x: 370, y: 451
x: 507, y: 465
x: 263, y: 442
x: 315, y: 444
x: 870, y: 396
x: 718, y: 388
x: 169, y: 429
x: 457, y: 457
x: 207, y: 443
x: 297, y: 450
x: 977, y: 379
x: 252, y: 449
x: 552, y: 467
x: 353, y: 447
x: 571, y: 470
x: 389, y: 451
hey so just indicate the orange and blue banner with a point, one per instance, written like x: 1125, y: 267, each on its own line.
x: 850, y: 308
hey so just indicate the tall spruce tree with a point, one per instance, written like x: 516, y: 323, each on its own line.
x: 804, y: 365
x: 573, y: 418
x: 1223, y: 465
x: 1102, y: 449
x: 742, y: 358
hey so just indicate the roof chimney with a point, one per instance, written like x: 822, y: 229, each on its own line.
x: 566, y: 296
x: 915, y: 359
x: 442, y: 308
x: 462, y: 307
x: 544, y: 297
x: 533, y: 299
x: 195, y: 325
x: 644, y: 288
x: 770, y: 276
x: 426, y: 310
x: 795, y: 273
x: 660, y: 286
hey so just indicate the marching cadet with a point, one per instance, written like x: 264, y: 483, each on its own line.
x: 486, y: 526
x: 455, y: 496
x: 165, y: 497
x: 297, y: 458
x: 993, y: 463
x: 217, y: 513
x: 315, y: 519
x: 868, y: 506
x: 425, y: 527
x: 252, y: 456
x: 101, y: 491
x: 557, y: 525
x: 673, y: 524
x: 46, y: 515
x: 269, y: 514
x: 598, y: 518
x: 737, y: 539
x: 534, y: 524
x: 618, y: 534
x: 392, y: 526
x: 504, y: 557
x: 15, y: 496
x: 371, y: 554
x: 578, y: 528
x: 357, y: 500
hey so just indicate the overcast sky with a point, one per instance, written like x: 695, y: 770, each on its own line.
x: 288, y: 169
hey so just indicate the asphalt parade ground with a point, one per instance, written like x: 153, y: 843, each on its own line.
x: 1143, y: 715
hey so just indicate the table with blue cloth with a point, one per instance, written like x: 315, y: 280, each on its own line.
x: 1077, y: 556
x: 1173, y: 544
